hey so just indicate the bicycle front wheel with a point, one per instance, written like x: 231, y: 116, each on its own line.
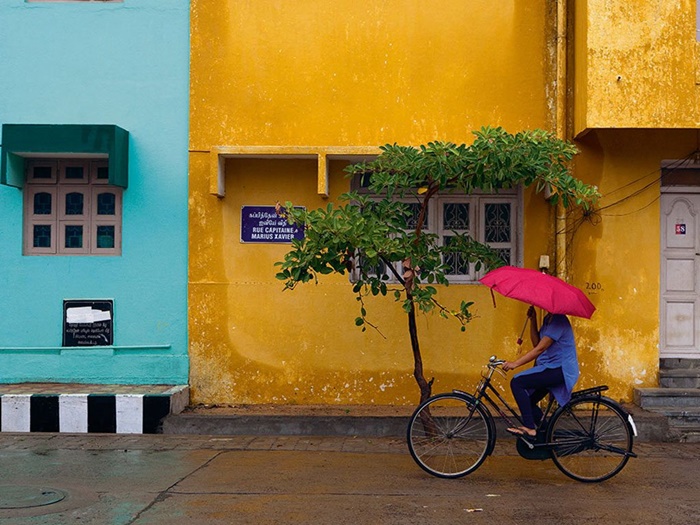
x: 449, y: 435
x: 591, y: 439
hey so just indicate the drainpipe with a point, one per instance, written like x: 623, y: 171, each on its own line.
x: 561, y: 81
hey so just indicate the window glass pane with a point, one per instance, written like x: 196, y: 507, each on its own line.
x: 74, y: 236
x: 106, y: 204
x: 455, y: 216
x: 504, y: 254
x: 42, y: 203
x: 364, y: 180
x: 74, y: 203
x: 413, y: 209
x: 103, y: 173
x: 457, y: 263
x: 379, y: 270
x: 41, y: 172
x: 75, y: 172
x: 42, y: 236
x: 105, y: 236
x: 497, y: 222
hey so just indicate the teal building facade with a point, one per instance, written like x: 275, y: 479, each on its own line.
x: 93, y: 191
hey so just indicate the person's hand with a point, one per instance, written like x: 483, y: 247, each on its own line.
x: 509, y: 365
x: 532, y: 314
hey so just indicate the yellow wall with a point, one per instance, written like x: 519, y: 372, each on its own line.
x: 342, y: 72
x: 347, y: 73
x: 636, y: 64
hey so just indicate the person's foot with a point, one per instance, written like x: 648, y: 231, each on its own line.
x: 522, y: 431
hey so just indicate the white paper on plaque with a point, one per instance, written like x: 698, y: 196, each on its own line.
x: 86, y: 314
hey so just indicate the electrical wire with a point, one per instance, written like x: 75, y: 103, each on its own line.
x: 595, y: 215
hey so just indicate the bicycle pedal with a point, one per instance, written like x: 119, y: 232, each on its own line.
x: 529, y: 444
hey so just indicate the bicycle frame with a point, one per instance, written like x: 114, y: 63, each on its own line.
x: 482, y: 396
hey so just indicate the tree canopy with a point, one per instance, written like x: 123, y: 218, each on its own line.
x: 380, y: 236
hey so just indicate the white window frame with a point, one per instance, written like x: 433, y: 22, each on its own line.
x: 58, y: 186
x: 477, y: 227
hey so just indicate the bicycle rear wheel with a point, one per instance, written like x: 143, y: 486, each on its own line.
x: 449, y: 435
x: 591, y: 439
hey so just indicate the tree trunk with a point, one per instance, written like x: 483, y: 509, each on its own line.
x: 424, y: 385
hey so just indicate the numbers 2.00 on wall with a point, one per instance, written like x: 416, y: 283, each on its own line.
x: 594, y: 287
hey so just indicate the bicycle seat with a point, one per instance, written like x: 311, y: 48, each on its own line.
x: 589, y: 391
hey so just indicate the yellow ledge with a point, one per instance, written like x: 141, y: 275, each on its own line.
x: 219, y: 154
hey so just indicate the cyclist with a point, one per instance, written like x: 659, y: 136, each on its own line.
x: 555, y: 370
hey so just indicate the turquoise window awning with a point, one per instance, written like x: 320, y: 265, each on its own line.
x: 21, y: 141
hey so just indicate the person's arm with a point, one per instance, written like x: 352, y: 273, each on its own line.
x: 544, y: 343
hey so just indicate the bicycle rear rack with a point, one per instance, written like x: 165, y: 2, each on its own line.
x: 596, y: 390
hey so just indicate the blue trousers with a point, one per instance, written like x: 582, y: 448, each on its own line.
x: 529, y: 389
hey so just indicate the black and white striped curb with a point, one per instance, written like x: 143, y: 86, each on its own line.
x: 84, y: 413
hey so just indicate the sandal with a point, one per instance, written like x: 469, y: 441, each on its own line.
x: 521, y: 432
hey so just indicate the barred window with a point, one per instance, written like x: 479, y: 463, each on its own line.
x: 70, y: 209
x: 490, y: 219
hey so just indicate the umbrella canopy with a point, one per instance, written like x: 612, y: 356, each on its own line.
x: 539, y: 289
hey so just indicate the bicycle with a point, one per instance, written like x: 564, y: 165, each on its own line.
x: 589, y: 439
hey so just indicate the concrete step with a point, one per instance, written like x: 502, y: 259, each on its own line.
x: 684, y: 434
x: 649, y: 398
x: 276, y: 424
x: 688, y: 417
x: 336, y: 421
x: 668, y: 363
x: 679, y: 378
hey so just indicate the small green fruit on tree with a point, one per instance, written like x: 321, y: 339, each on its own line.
x: 368, y: 235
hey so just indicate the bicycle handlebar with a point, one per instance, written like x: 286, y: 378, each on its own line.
x: 494, y: 362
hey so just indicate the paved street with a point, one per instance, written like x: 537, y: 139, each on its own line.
x: 159, y: 479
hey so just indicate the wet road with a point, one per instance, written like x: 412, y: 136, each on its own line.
x: 190, y: 480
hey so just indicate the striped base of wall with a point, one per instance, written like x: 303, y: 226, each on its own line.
x: 81, y: 413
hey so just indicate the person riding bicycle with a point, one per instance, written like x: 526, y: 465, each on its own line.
x: 556, y: 369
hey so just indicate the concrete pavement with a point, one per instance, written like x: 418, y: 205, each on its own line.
x: 186, y: 479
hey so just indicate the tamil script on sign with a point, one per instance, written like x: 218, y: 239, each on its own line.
x: 262, y: 224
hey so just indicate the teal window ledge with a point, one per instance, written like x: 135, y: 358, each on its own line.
x: 21, y: 141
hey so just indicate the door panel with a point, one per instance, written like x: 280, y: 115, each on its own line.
x: 680, y: 336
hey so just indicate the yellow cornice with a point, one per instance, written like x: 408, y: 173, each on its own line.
x: 218, y: 155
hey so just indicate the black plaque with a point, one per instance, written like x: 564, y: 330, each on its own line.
x: 88, y: 322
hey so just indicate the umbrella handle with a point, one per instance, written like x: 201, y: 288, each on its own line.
x: 493, y: 297
x: 522, y: 332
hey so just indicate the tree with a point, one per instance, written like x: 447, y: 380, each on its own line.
x: 368, y: 235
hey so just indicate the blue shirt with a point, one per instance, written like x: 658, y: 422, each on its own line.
x: 561, y: 353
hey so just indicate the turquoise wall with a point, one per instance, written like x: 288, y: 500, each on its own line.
x: 101, y: 63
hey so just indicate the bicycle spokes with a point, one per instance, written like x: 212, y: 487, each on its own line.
x: 449, y: 436
x: 591, y: 440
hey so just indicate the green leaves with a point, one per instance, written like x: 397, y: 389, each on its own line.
x: 495, y: 160
x: 368, y: 236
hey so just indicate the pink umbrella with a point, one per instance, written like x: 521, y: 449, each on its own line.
x: 539, y: 289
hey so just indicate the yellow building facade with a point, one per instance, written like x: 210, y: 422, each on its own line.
x: 285, y: 94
